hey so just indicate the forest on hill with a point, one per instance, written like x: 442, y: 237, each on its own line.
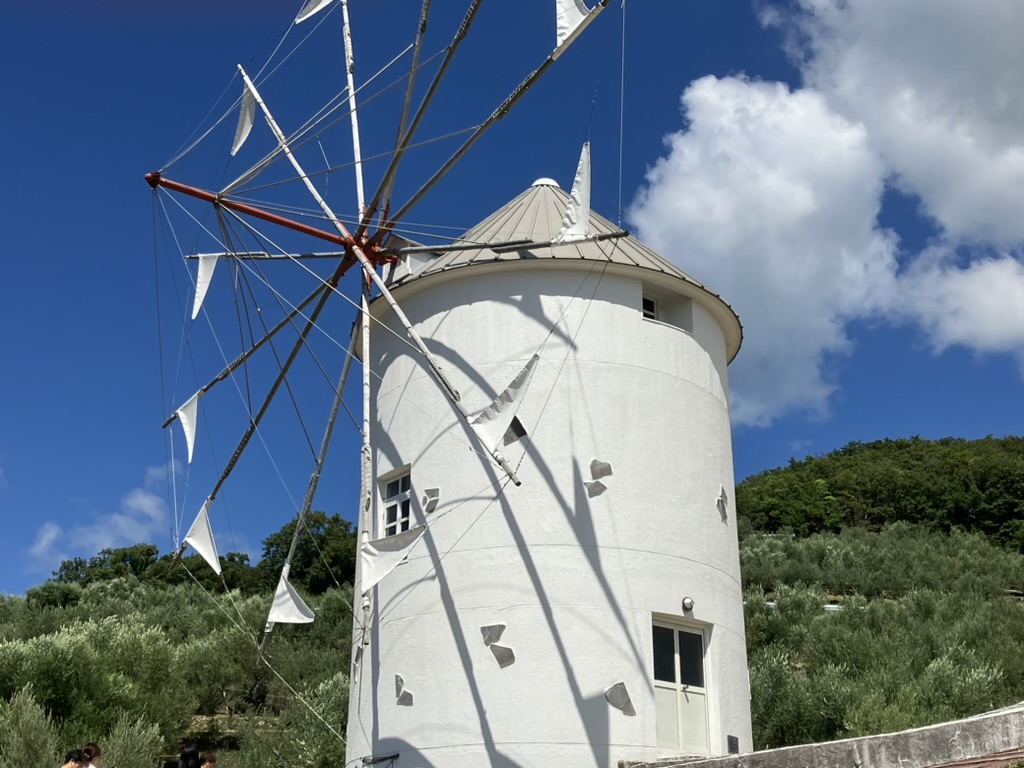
x: 883, y: 587
x: 143, y: 654
x: 970, y: 485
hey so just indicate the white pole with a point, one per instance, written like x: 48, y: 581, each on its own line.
x: 362, y: 628
x: 350, y: 68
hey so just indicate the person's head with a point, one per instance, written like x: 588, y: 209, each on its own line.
x: 73, y: 759
x: 208, y: 760
x: 189, y: 757
x: 91, y: 754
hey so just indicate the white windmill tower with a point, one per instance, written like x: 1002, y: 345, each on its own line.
x: 590, y: 614
x: 593, y: 613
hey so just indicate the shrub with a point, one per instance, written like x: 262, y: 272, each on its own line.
x: 133, y: 743
x: 27, y: 734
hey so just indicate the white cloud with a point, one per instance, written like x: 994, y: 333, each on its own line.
x: 141, y: 517
x: 44, y: 549
x: 939, y: 85
x: 979, y: 305
x: 771, y: 198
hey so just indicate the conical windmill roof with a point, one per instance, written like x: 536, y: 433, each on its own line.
x: 535, y: 216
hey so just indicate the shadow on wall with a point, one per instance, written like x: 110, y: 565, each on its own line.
x: 594, y: 711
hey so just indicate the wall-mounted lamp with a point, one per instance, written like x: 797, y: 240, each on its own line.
x: 687, y: 603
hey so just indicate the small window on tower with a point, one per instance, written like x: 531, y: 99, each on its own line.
x: 650, y: 307
x: 397, y: 505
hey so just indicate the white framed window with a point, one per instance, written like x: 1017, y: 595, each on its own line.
x: 680, y: 690
x: 397, y: 493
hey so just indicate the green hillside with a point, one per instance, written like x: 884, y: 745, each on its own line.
x: 144, y: 654
x: 882, y: 584
x: 950, y: 483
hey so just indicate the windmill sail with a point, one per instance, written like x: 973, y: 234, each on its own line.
x: 187, y: 416
x: 495, y: 420
x: 380, y: 557
x: 569, y: 15
x: 576, y: 220
x: 200, y: 538
x: 312, y: 8
x: 207, y: 265
x: 571, y: 18
x: 246, y: 117
x: 250, y: 218
x: 288, y: 607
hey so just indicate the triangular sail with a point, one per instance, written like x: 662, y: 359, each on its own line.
x: 200, y: 538
x: 288, y: 607
x: 494, y: 421
x: 380, y: 557
x: 187, y: 418
x: 312, y: 8
x: 246, y: 117
x: 569, y: 15
x: 207, y: 264
x: 576, y: 219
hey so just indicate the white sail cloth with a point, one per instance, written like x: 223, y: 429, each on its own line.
x: 571, y: 18
x: 494, y: 421
x: 200, y: 538
x: 187, y: 418
x: 311, y: 8
x: 246, y: 118
x: 576, y: 219
x: 569, y: 15
x: 288, y: 607
x: 207, y: 265
x: 380, y: 557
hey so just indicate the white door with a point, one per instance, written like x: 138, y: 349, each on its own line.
x: 680, y: 697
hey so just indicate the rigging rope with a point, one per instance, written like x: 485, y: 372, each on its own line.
x: 172, y: 475
x: 256, y: 233
x: 183, y: 345
x: 418, y: 407
x: 252, y: 638
x: 225, y: 241
x: 380, y: 156
x: 266, y: 334
x: 622, y: 104
x: 187, y: 148
x: 242, y: 285
x: 317, y: 123
x: 242, y: 396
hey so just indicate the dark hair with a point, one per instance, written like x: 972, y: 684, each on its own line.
x: 90, y: 752
x: 74, y: 755
x: 189, y: 757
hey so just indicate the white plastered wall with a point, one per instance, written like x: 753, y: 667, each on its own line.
x: 574, y: 579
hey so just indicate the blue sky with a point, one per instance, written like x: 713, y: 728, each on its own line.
x: 848, y: 175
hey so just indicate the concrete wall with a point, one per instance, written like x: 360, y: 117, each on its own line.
x: 575, y: 579
x: 930, y: 746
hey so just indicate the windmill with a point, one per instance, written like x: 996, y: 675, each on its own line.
x: 548, y: 557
